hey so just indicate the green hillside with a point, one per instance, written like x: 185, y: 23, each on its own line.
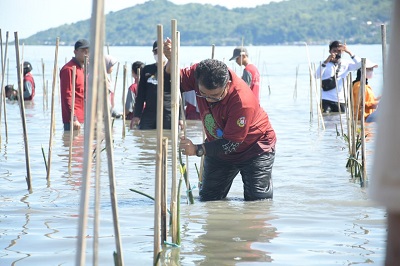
x: 286, y: 22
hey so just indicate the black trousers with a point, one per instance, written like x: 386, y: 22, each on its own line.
x: 218, y: 176
x: 330, y: 107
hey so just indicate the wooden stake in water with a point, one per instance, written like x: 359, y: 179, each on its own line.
x: 96, y: 71
x: 71, y: 132
x: 52, y: 110
x: 124, y: 80
x: 363, y: 150
x: 164, y: 190
x: 22, y: 109
x: 3, y: 93
x: 383, y: 34
x: 175, y: 83
x: 160, y: 107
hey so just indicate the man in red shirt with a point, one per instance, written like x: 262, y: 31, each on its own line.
x: 239, y: 135
x: 81, y: 50
x: 29, y: 82
x: 250, y: 72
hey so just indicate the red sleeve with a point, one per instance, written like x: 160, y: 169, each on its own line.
x: 66, y: 92
x: 188, y: 81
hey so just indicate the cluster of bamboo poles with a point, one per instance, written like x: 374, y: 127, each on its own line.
x: 355, y: 136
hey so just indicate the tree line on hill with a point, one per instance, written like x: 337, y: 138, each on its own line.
x: 276, y: 23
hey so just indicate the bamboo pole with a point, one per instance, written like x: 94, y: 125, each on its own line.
x: 96, y: 55
x: 2, y: 90
x: 362, y: 122
x: 175, y: 78
x: 164, y: 190
x: 383, y: 34
x: 22, y: 109
x: 52, y: 111
x: 318, y: 101
x: 44, y: 86
x: 71, y: 132
x: 160, y: 104
x: 111, y: 173
x: 123, y: 99
x: 309, y: 71
x: 3, y: 94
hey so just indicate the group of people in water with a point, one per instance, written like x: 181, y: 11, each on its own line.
x: 239, y: 136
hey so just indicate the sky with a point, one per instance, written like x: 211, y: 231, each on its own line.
x: 28, y: 17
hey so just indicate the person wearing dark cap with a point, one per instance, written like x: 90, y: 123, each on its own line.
x: 11, y: 93
x: 29, y: 82
x: 145, y: 113
x: 250, y: 72
x: 332, y: 71
x: 81, y: 51
x: 239, y: 135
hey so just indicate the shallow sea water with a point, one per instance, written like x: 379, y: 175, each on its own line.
x: 319, y: 215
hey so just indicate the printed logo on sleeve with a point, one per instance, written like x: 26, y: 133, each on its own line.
x: 241, y: 122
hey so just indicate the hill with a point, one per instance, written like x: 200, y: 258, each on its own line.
x: 286, y: 22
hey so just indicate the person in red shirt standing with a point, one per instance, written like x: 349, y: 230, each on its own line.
x: 81, y: 50
x: 250, y: 72
x: 239, y: 135
x: 29, y: 82
x: 137, y: 66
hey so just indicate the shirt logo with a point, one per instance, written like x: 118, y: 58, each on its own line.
x: 241, y: 121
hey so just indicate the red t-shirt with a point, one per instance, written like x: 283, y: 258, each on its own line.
x: 29, y: 78
x: 255, y: 79
x: 66, y: 91
x: 238, y: 117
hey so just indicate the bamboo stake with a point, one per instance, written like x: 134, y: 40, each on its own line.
x: 44, y: 86
x: 383, y: 34
x: 160, y: 104
x: 309, y: 71
x: 71, y: 134
x: 2, y: 79
x: 175, y: 78
x: 362, y: 122
x: 295, y: 84
x: 123, y: 99
x: 164, y: 190
x: 111, y: 174
x: 52, y: 111
x: 3, y: 93
x: 96, y: 55
x: 22, y: 109
x: 318, y: 101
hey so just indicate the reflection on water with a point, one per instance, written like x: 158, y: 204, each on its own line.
x: 319, y: 215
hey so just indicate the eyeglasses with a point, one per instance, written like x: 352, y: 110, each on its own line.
x: 215, y: 99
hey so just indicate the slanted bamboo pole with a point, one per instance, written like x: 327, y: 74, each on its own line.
x: 362, y: 122
x: 124, y: 80
x: 383, y: 34
x: 71, y: 132
x: 52, y: 111
x: 160, y: 104
x: 44, y: 87
x: 22, y: 109
x: 175, y: 78
x: 96, y: 52
x: 111, y: 172
x: 2, y: 91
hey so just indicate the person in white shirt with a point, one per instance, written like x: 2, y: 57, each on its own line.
x: 332, y: 71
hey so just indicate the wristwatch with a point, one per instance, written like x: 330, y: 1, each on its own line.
x: 200, y: 150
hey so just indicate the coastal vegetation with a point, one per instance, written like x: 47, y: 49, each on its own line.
x: 284, y: 22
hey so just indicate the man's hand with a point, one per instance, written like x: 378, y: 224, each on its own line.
x: 187, y: 147
x: 168, y: 48
x: 76, y: 125
x: 134, y: 122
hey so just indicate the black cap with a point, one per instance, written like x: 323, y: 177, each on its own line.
x: 81, y: 44
x: 27, y: 67
x: 155, y: 45
x: 238, y: 51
